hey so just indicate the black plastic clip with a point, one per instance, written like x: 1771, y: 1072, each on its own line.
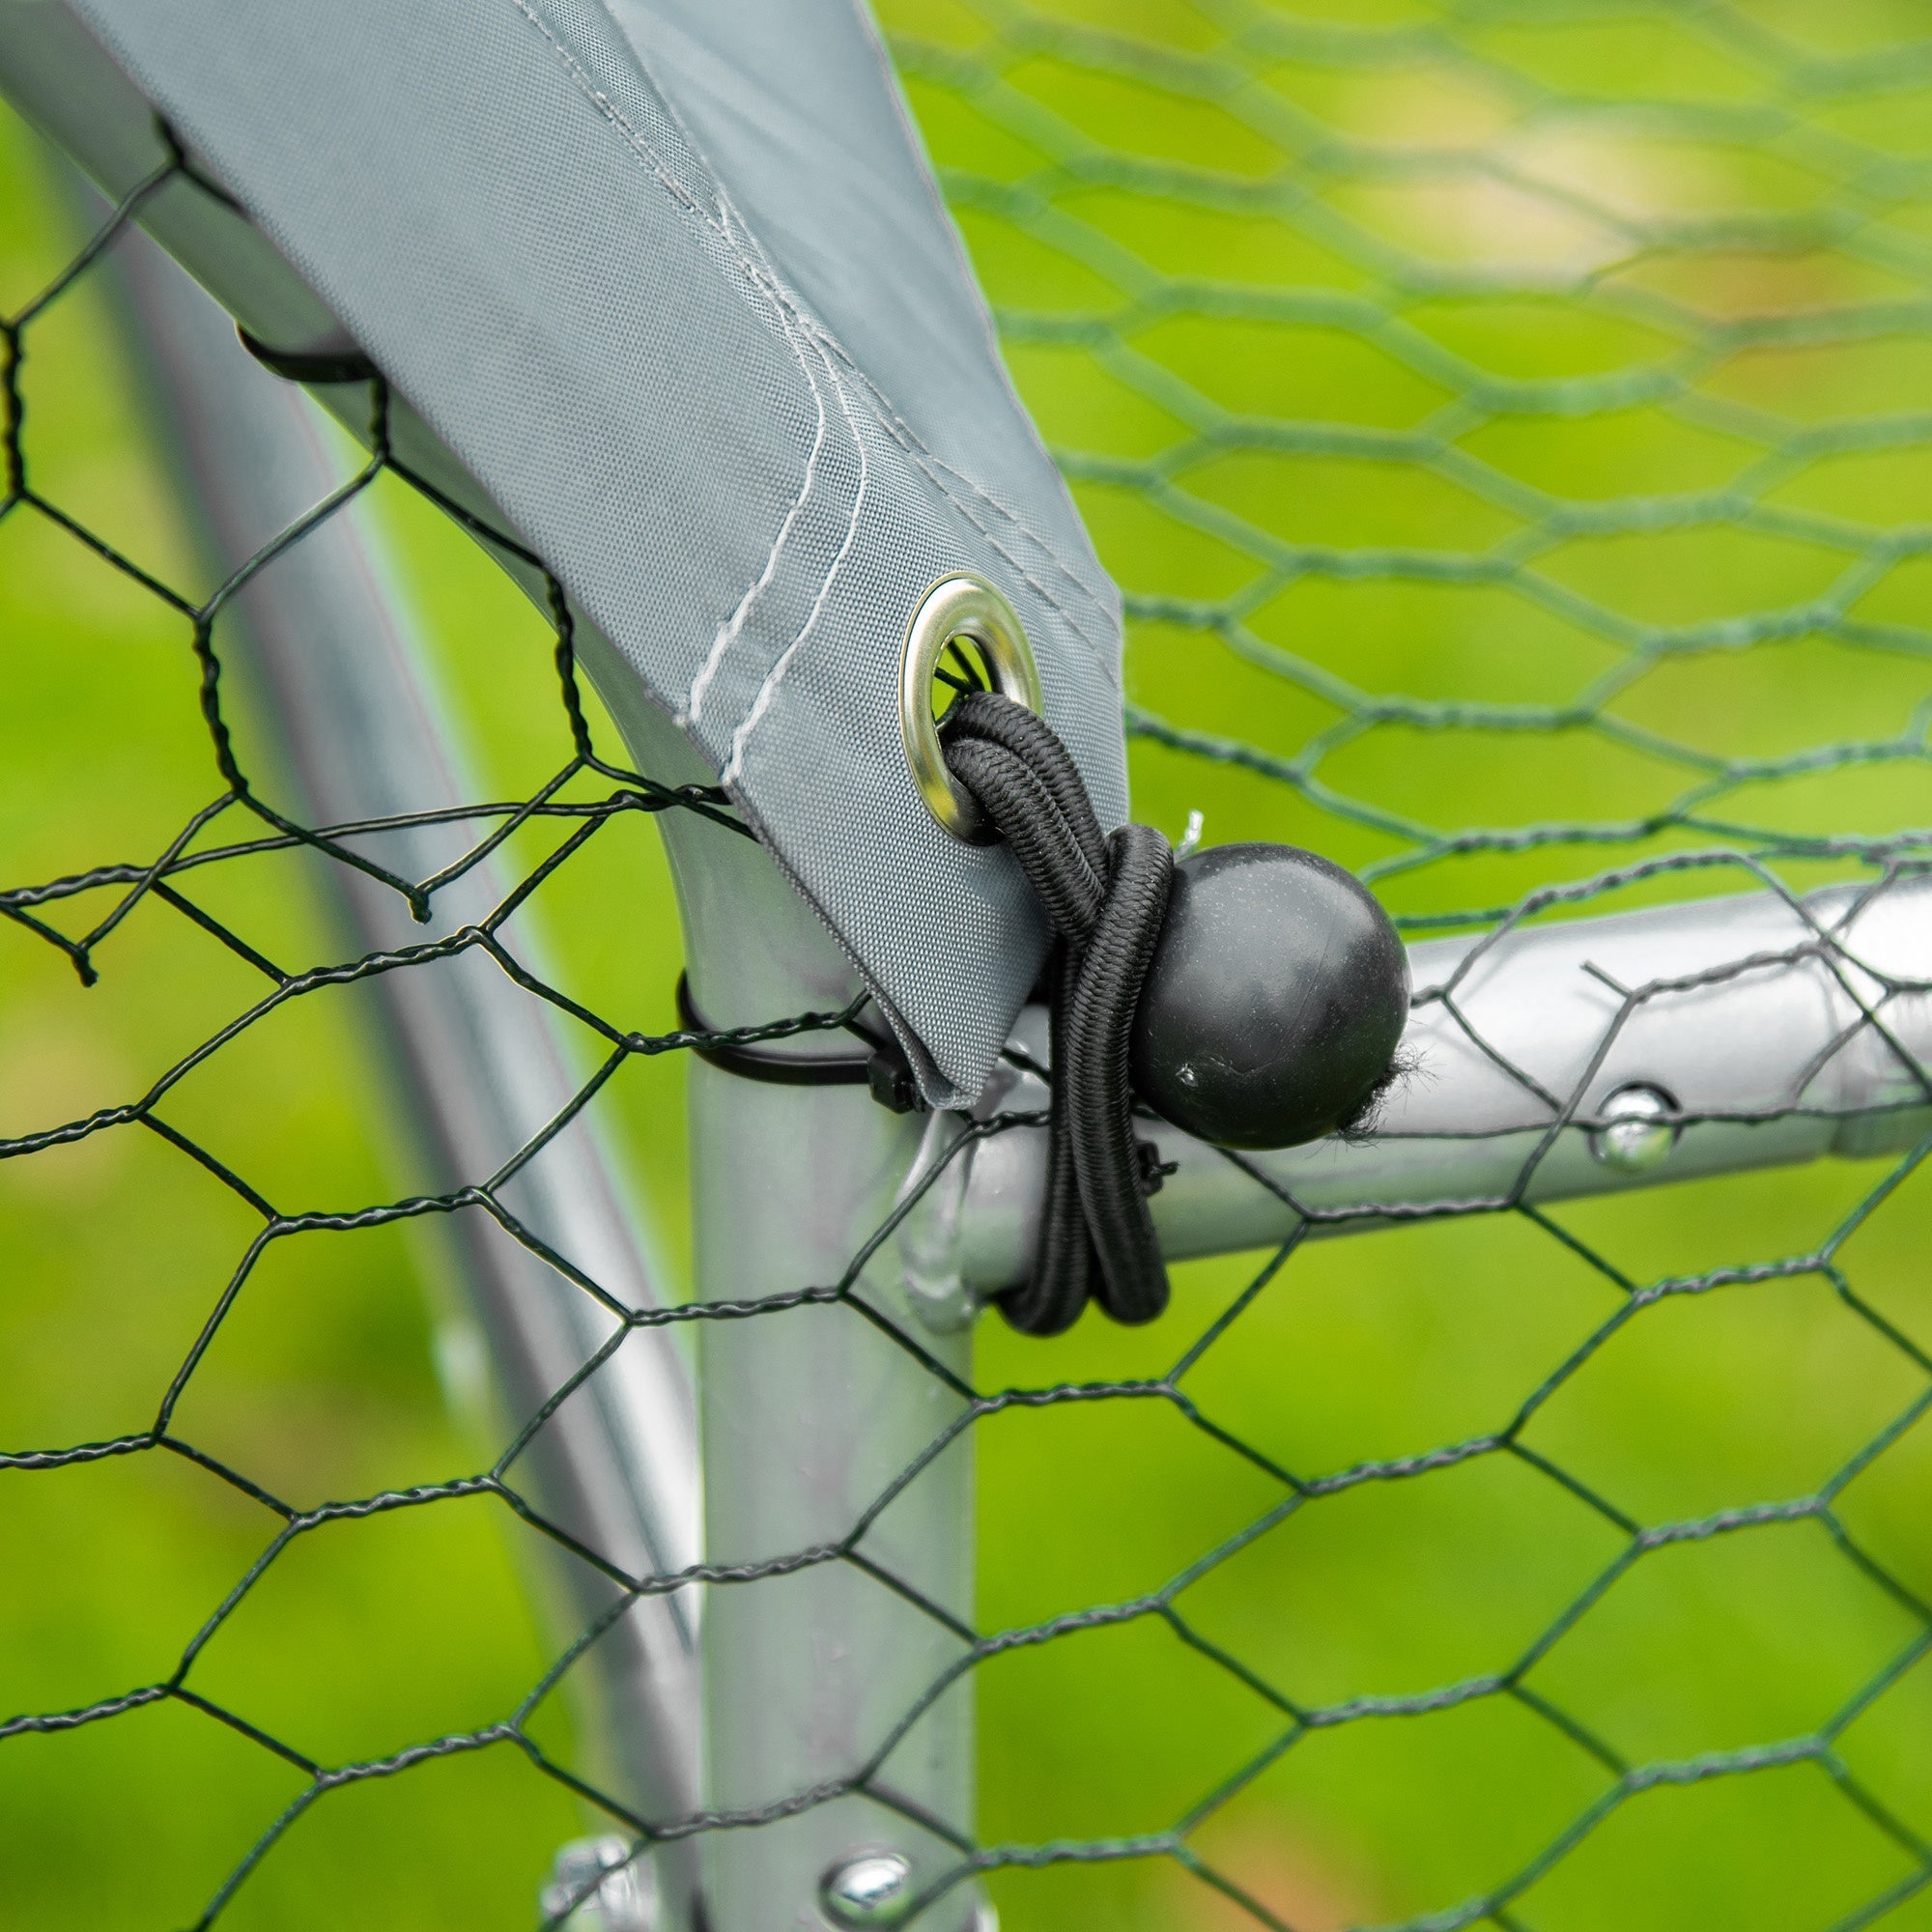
x: 885, y: 1071
x: 302, y: 365
x: 889, y: 1075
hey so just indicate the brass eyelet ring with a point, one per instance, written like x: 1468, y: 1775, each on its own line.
x: 961, y: 605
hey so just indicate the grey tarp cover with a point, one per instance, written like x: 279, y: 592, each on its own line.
x: 671, y: 279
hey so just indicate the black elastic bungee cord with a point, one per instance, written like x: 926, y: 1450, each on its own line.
x: 1106, y: 897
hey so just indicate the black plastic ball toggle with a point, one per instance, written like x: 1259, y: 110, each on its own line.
x: 1276, y: 1000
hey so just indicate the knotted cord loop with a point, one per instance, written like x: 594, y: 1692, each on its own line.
x: 1106, y: 897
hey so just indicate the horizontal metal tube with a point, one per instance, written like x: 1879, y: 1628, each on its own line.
x: 1778, y: 1030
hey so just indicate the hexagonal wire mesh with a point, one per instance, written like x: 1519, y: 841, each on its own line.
x: 1505, y: 423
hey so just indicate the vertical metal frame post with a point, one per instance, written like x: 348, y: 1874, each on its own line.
x: 829, y: 1620
x: 808, y: 1416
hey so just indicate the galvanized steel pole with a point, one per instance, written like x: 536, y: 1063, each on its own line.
x: 1553, y: 1061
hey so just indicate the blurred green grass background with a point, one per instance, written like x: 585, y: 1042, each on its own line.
x: 1408, y: 455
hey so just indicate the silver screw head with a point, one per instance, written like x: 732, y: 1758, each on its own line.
x: 867, y: 1889
x: 1638, y: 1133
x: 597, y: 1886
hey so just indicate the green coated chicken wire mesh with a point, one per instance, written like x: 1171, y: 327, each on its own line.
x: 1512, y: 430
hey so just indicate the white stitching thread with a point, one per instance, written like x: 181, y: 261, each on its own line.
x: 614, y: 114
x: 790, y: 313
x: 937, y: 470
x: 774, y: 288
x: 760, y: 704
x: 728, y: 632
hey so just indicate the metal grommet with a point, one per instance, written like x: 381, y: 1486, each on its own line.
x: 958, y: 607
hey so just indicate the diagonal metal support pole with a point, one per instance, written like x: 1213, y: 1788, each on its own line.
x: 479, y: 1067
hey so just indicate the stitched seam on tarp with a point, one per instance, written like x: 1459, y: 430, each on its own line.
x: 762, y: 702
x: 728, y: 632
x: 758, y: 269
x: 938, y: 470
